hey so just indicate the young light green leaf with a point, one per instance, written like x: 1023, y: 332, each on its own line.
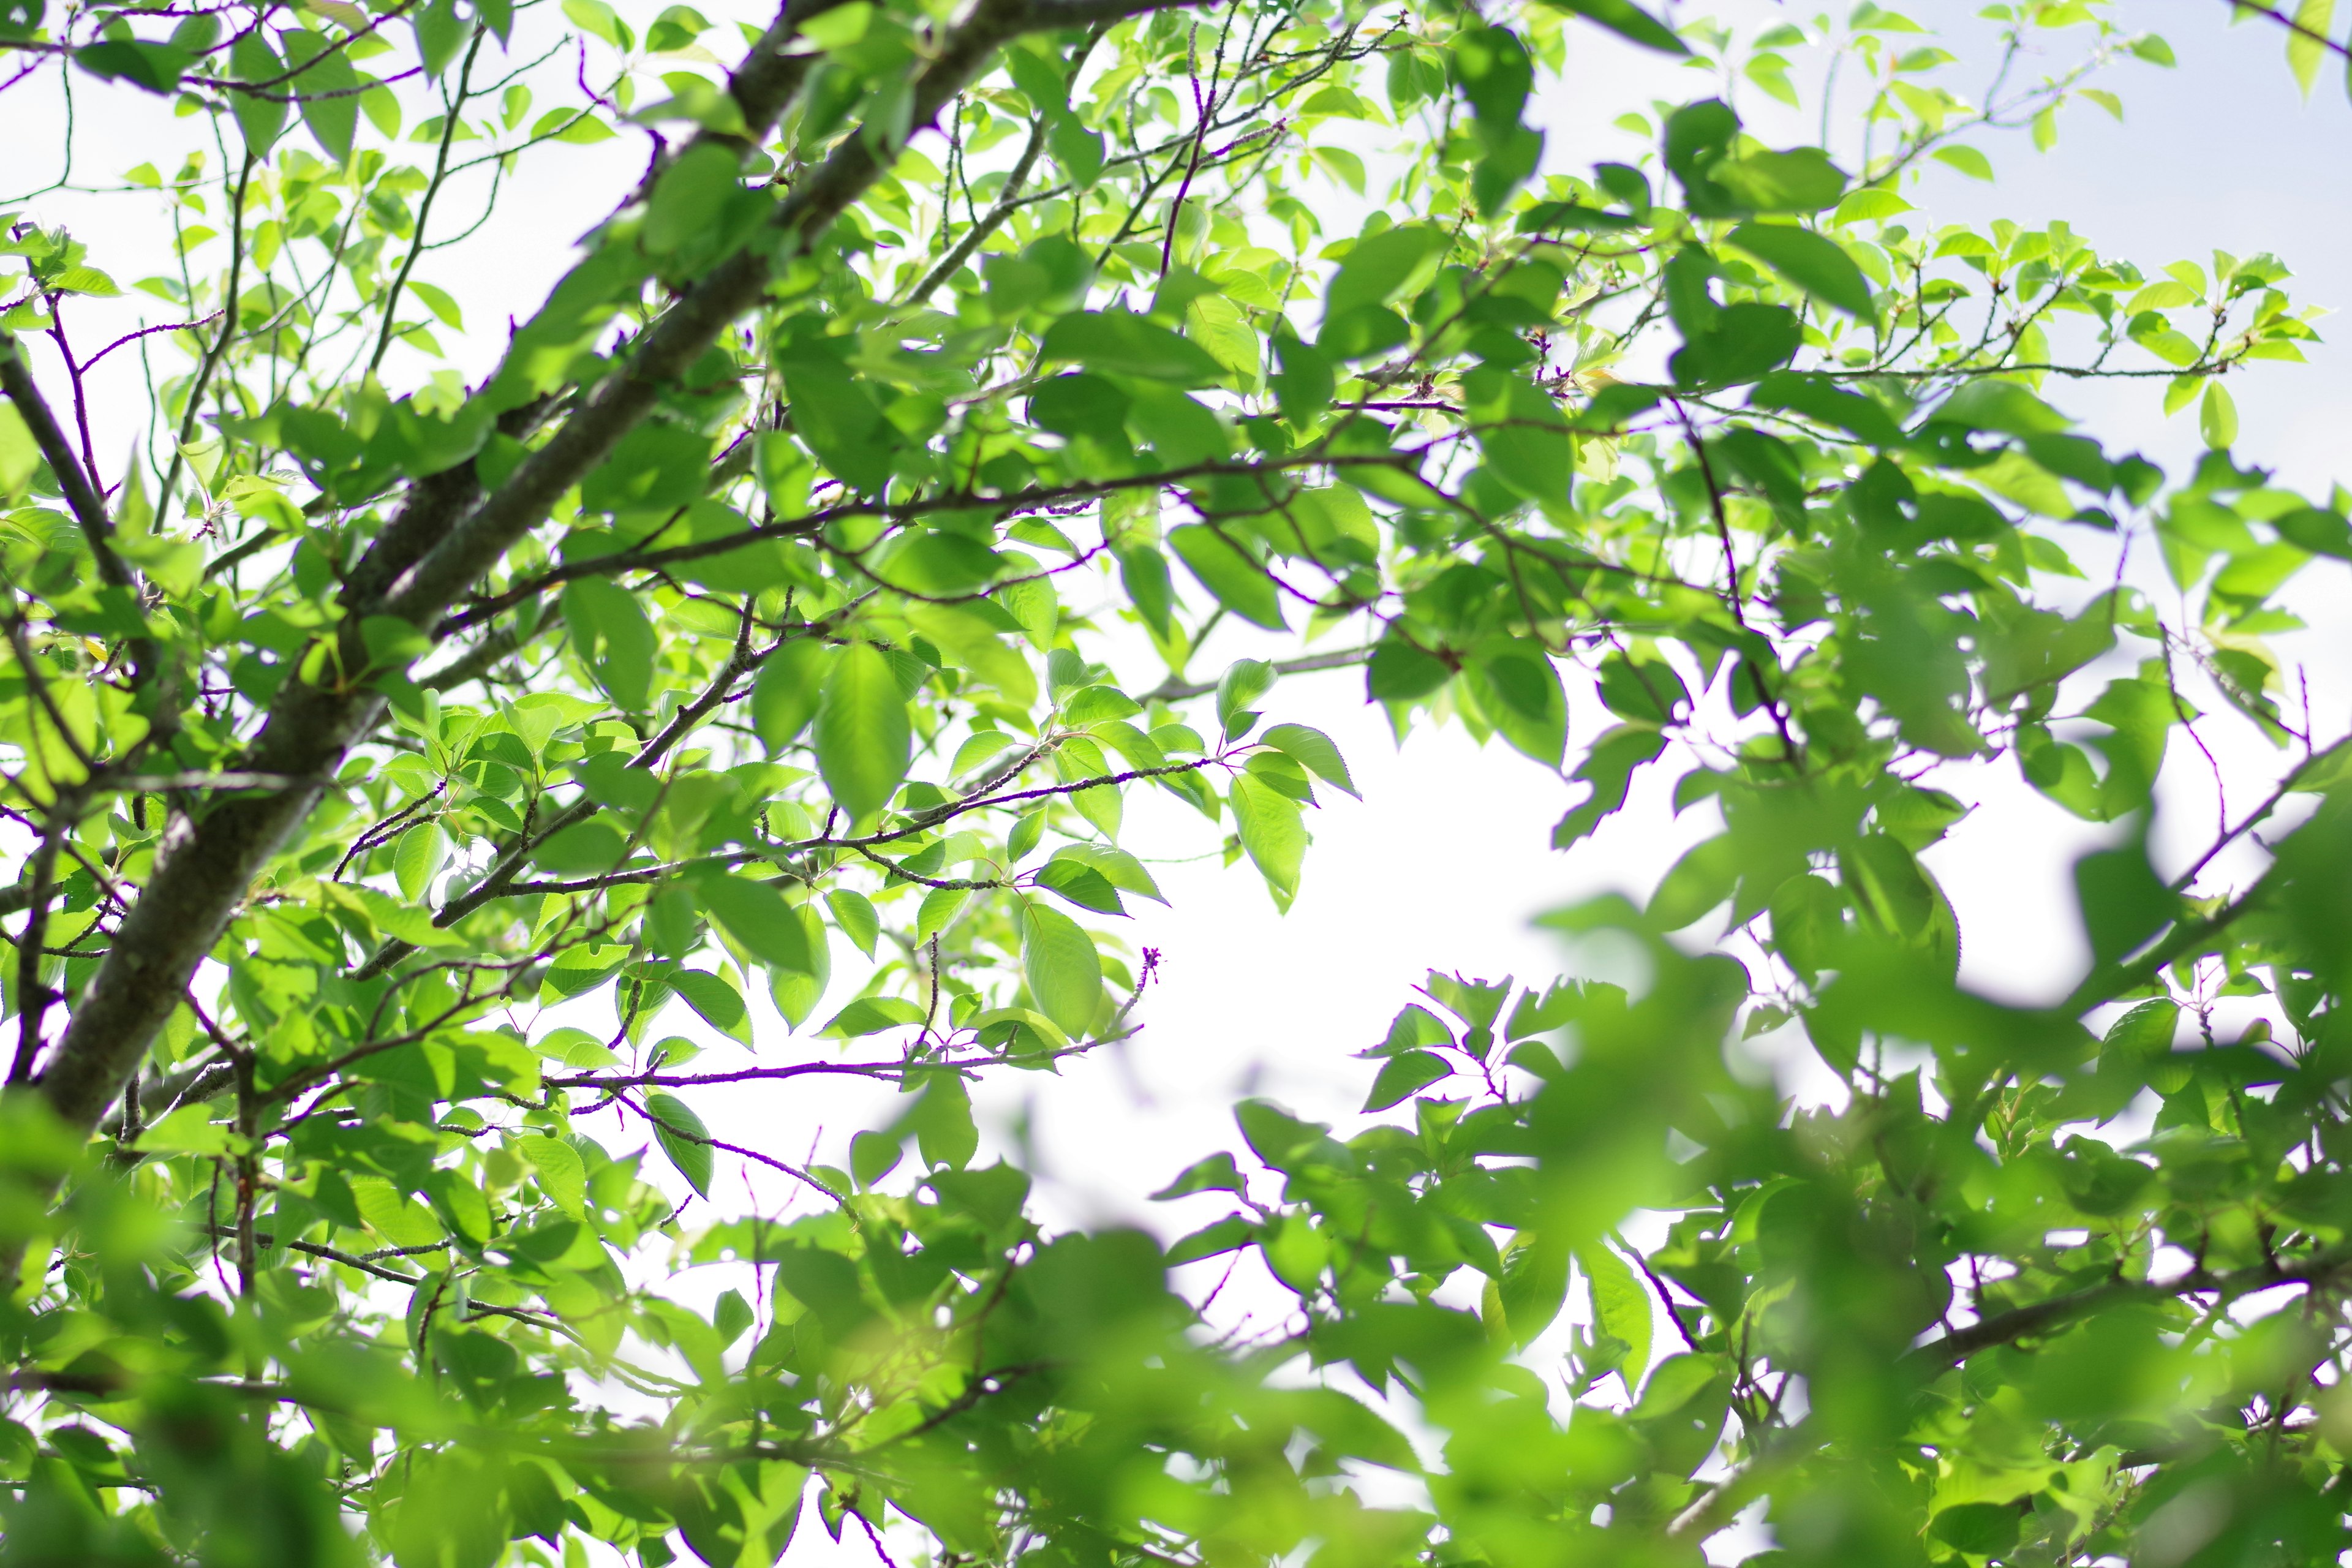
x: 2306, y: 40
x: 1244, y: 682
x: 2217, y: 417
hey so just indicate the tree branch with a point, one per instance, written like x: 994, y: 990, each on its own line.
x: 80, y: 490
x: 1174, y: 690
x: 198, y: 886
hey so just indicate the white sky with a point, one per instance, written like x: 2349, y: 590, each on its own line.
x: 1446, y: 858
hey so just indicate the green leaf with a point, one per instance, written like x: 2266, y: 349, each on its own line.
x: 757, y: 917
x: 1304, y: 380
x: 417, y: 856
x: 2217, y: 417
x: 1991, y: 404
x: 1523, y: 436
x: 1228, y: 573
x: 1116, y: 866
x: 1701, y: 880
x: 1621, y: 1306
x: 156, y: 67
x: 330, y: 108
x: 1217, y: 1173
x: 874, y: 1155
x: 872, y: 1015
x: 1968, y: 160
x: 972, y: 642
x: 1818, y: 265
x: 1628, y: 21
x: 612, y: 638
x: 1061, y: 967
x: 864, y: 740
x: 683, y: 1138
x: 1403, y: 1076
x: 1081, y: 885
x: 1978, y: 1529
x: 1244, y: 682
x: 835, y: 413
x: 657, y: 467
x: 1212, y: 1241
x: 20, y: 455
x: 2310, y: 528
x: 1382, y: 265
x: 1801, y: 180
x: 1532, y: 1288
x: 786, y: 694
x: 1129, y: 344
x: 944, y: 1131
x: 391, y: 1212
x: 1495, y: 75
x: 715, y: 998
x: 1273, y: 831
x: 1519, y: 692
x: 440, y: 34
x: 2306, y: 41
x: 1314, y: 750
x: 260, y: 119
x: 191, y: 1130
x: 1746, y: 340
x: 1400, y: 672
x: 2124, y: 902
x: 854, y: 913
x: 1608, y: 767
x: 558, y: 1168
x: 690, y: 197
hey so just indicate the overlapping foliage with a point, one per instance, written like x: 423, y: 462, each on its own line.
x: 371, y: 731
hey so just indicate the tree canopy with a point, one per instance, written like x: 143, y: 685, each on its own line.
x: 399, y: 765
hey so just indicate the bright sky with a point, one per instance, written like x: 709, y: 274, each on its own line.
x: 1444, y: 861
